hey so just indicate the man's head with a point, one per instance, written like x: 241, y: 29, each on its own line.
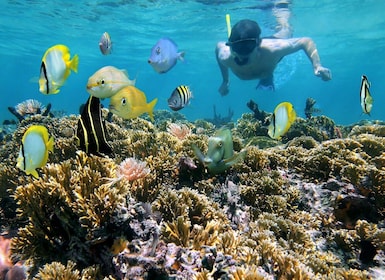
x: 244, y: 37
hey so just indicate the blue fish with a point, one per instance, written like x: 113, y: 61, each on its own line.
x: 164, y: 55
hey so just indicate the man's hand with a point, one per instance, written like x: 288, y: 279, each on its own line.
x: 224, y: 88
x: 323, y: 72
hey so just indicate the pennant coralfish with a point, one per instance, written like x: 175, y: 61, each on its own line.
x: 365, y: 96
x: 91, y: 132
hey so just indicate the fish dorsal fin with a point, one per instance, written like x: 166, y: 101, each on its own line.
x: 181, y: 56
x: 124, y: 71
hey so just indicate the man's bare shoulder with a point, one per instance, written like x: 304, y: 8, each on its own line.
x: 223, y: 51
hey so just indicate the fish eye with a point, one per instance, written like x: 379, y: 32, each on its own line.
x: 100, y: 82
x: 123, y: 101
x: 157, y: 50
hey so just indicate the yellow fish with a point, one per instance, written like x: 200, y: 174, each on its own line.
x: 35, y: 145
x: 365, y: 96
x: 281, y: 120
x: 55, y: 68
x: 107, y: 81
x: 130, y: 103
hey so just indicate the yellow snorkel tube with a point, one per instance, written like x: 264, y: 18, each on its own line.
x: 228, y: 25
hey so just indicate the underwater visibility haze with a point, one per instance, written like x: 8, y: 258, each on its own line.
x: 141, y: 169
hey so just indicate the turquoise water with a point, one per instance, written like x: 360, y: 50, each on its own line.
x: 349, y: 36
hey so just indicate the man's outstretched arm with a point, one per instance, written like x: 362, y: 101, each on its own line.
x: 310, y: 49
x: 220, y: 55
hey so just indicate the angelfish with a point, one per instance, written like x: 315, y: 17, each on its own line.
x: 220, y: 154
x: 91, y: 134
x: 365, y: 96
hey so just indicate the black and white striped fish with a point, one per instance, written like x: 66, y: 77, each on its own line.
x: 365, y: 96
x: 180, y: 98
x: 91, y: 133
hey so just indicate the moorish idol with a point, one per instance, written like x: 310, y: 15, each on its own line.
x: 91, y: 132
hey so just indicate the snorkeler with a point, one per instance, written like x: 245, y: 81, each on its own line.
x: 250, y: 57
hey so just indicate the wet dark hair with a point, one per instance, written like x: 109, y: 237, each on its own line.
x: 244, y: 37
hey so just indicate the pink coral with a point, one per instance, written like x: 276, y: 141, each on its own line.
x: 132, y: 169
x: 181, y: 131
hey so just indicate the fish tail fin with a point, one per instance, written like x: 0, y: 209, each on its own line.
x: 293, y: 116
x: 198, y: 153
x: 181, y: 56
x: 74, y: 63
x: 33, y: 173
x: 151, y: 106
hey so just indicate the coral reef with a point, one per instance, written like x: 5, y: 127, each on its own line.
x: 310, y: 206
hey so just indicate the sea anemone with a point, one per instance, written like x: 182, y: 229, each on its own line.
x: 180, y: 131
x: 29, y: 107
x: 132, y: 169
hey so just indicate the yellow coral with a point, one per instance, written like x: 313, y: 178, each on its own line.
x: 177, y: 232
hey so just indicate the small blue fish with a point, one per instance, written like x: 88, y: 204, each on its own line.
x: 164, y: 55
x: 105, y: 44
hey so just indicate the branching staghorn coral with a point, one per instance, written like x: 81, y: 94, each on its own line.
x: 56, y: 270
x: 189, y: 218
x: 71, y: 214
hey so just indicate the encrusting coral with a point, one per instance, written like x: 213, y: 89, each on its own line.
x: 291, y: 211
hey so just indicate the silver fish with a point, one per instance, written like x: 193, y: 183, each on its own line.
x: 105, y: 44
x: 179, y: 98
x: 164, y: 55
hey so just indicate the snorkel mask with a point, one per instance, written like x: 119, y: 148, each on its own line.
x: 244, y: 39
